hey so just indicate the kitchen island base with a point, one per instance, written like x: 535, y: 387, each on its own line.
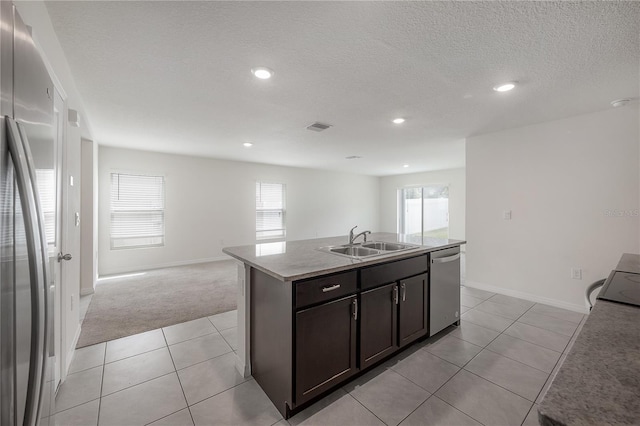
x: 311, y: 336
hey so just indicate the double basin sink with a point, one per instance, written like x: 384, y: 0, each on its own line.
x: 372, y: 248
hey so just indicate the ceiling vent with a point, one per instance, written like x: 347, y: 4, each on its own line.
x: 318, y: 127
x: 353, y: 157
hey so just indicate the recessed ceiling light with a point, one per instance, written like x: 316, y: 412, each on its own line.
x: 398, y: 120
x: 620, y: 102
x: 262, y: 73
x: 504, y: 87
x: 405, y: 165
x: 247, y: 144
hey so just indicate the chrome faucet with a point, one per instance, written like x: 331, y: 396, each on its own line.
x: 353, y: 237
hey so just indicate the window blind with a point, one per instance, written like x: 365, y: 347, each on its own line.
x: 270, y: 211
x: 46, y: 183
x: 137, y: 211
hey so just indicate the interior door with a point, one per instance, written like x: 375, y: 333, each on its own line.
x: 56, y: 245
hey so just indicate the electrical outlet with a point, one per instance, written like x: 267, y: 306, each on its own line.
x: 506, y: 215
x: 576, y: 273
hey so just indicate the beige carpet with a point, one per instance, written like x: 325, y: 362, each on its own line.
x: 158, y: 298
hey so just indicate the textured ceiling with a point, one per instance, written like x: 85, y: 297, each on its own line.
x: 175, y: 76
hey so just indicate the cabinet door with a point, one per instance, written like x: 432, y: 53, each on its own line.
x: 325, y: 347
x: 413, y: 309
x: 378, y: 324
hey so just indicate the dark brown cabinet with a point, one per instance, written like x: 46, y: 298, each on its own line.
x: 325, y: 348
x: 378, y: 324
x: 309, y: 336
x: 413, y: 309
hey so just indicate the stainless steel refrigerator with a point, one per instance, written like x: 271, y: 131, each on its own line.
x: 26, y: 136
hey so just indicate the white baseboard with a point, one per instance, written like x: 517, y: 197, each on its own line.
x: 87, y: 291
x: 243, y: 369
x: 142, y: 268
x: 528, y: 296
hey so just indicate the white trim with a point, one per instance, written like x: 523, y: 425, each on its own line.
x: 47, y: 64
x: 141, y: 268
x: 87, y: 291
x: 527, y: 296
x: 70, y: 352
x: 243, y: 351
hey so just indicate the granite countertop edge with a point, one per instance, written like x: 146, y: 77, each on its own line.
x: 337, y: 263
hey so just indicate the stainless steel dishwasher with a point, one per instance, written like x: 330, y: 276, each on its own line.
x: 444, y: 289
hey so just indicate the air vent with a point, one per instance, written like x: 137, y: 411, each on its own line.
x: 318, y: 127
x: 353, y: 157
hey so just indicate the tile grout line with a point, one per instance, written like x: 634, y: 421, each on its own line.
x: 161, y: 329
x: 516, y: 320
x: 525, y: 418
x: 71, y: 408
x: 513, y: 321
x: 557, y: 362
x: 364, y: 406
x: 162, y: 375
x: 104, y: 358
x: 470, y: 372
x: 520, y: 362
x: 202, y: 362
x: 450, y: 378
x: 165, y: 345
x: 178, y: 377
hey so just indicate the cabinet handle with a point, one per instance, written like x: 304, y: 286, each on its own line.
x: 404, y: 292
x: 355, y: 309
x: 395, y: 294
x: 330, y: 288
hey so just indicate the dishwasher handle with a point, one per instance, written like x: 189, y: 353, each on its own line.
x: 446, y: 259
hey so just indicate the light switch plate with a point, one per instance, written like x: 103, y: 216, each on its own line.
x: 506, y: 215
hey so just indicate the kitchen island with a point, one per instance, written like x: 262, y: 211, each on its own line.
x: 309, y: 319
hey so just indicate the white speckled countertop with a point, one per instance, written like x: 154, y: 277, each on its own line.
x: 296, y: 260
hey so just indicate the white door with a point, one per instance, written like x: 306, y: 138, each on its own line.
x: 54, y: 238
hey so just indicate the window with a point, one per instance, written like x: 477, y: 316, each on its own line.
x: 137, y: 211
x: 46, y: 183
x: 270, y: 211
x: 424, y: 211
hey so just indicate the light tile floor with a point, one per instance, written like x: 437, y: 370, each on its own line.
x: 492, y: 370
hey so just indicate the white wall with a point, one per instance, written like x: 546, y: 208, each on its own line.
x: 89, y: 213
x: 455, y: 178
x: 210, y: 204
x: 561, y: 180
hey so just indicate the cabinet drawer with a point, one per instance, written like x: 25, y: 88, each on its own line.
x: 392, y: 271
x: 325, y: 288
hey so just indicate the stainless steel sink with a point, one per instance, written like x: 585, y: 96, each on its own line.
x: 354, y: 251
x: 372, y: 248
x: 381, y: 245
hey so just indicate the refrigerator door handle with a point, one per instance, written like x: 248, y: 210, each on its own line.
x: 36, y: 248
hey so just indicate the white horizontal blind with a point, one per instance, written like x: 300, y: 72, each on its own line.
x: 137, y: 211
x: 270, y: 211
x: 46, y: 183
